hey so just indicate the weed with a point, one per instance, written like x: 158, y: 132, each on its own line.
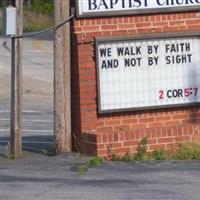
x: 187, y: 151
x: 44, y: 152
x: 158, y: 154
x: 141, y: 153
x: 92, y: 162
x: 82, y: 169
x: 127, y: 157
x: 9, y: 156
x: 141, y: 150
x: 115, y: 157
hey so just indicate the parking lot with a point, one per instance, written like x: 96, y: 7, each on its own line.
x: 38, y: 177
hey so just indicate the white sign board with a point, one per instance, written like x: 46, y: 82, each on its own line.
x: 136, y: 74
x: 120, y: 7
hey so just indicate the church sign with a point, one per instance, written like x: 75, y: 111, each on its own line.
x: 146, y: 73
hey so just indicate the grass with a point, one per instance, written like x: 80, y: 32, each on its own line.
x: 158, y: 154
x: 9, y: 156
x: 141, y: 150
x: 92, y: 162
x: 187, y: 151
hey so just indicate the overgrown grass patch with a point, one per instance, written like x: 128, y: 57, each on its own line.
x: 9, y: 156
x: 158, y: 154
x: 92, y: 162
x: 186, y: 151
x: 141, y: 153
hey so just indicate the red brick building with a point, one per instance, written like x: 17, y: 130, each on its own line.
x: 119, y: 132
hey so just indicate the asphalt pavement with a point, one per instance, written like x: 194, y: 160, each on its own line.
x: 38, y: 177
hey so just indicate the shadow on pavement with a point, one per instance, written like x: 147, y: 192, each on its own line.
x: 32, y: 144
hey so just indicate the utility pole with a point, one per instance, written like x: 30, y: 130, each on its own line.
x: 62, y: 80
x: 16, y: 84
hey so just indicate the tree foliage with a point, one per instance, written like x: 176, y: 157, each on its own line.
x: 42, y: 6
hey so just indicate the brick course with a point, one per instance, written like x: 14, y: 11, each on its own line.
x: 103, y: 134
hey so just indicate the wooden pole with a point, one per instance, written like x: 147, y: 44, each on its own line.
x: 62, y: 80
x: 16, y: 85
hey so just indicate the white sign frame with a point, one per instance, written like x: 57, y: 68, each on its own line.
x: 135, y: 11
x: 100, y: 40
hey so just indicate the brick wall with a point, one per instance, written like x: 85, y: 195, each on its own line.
x: 120, y: 133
